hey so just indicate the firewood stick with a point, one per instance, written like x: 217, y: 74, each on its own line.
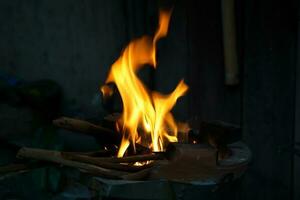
x: 56, y: 157
x: 96, y: 131
x: 86, y: 128
x: 105, y: 164
x: 136, y: 158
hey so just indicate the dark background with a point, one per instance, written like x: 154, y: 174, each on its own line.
x: 75, y: 42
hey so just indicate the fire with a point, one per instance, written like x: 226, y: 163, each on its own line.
x: 146, y: 117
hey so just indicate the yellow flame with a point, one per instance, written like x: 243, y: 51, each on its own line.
x: 146, y: 116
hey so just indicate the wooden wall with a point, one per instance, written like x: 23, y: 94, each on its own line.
x: 209, y: 98
x: 71, y: 42
x: 269, y: 97
x: 264, y: 103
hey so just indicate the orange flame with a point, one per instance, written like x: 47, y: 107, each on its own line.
x: 146, y: 116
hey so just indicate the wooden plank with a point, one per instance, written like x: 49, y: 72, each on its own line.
x: 269, y: 89
x: 209, y: 98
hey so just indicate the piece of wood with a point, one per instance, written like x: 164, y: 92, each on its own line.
x: 102, y: 134
x: 135, y: 158
x: 87, y: 128
x: 229, y: 42
x: 56, y: 157
x: 105, y: 162
x: 179, y: 162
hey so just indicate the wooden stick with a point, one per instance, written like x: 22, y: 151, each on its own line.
x: 136, y: 158
x: 87, y: 128
x: 229, y: 43
x: 105, y: 163
x: 99, y: 132
x: 56, y: 157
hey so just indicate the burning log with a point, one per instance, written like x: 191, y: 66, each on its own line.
x: 102, y: 134
x: 216, y: 133
x: 109, y: 163
x: 179, y: 162
x: 105, y: 167
x: 136, y: 158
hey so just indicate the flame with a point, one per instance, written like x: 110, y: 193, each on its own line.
x: 146, y: 116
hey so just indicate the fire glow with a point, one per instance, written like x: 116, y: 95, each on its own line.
x: 146, y: 117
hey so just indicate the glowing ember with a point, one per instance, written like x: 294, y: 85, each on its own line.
x: 142, y: 163
x: 146, y: 117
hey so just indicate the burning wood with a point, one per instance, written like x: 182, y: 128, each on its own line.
x: 102, y: 134
x: 111, y: 163
x: 189, y: 160
x: 87, y: 128
x: 107, y: 167
x: 149, y: 110
x: 218, y: 134
x: 146, y: 121
x: 179, y: 162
